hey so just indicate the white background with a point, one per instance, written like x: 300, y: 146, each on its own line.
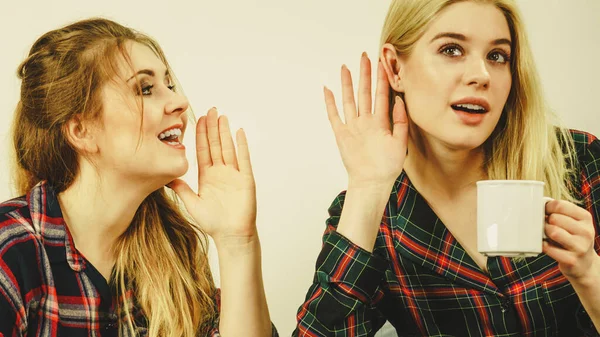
x: 263, y: 63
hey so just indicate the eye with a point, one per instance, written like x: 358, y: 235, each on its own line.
x: 451, y: 50
x: 147, y: 89
x: 499, y: 57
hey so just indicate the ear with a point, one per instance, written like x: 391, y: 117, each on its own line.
x: 392, y: 65
x: 81, y: 135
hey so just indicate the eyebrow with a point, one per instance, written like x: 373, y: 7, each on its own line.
x: 148, y: 72
x: 461, y: 37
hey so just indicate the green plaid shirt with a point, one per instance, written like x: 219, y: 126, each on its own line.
x: 421, y: 280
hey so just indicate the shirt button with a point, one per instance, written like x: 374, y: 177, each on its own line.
x: 505, y: 305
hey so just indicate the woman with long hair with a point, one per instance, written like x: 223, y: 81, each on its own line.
x: 458, y: 100
x: 97, y: 245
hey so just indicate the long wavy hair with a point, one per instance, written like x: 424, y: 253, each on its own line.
x: 161, y: 259
x: 528, y: 142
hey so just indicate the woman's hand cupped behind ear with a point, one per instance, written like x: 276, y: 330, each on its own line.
x: 372, y: 151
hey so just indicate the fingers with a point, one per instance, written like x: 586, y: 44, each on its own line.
x: 332, y: 111
x: 382, y: 95
x: 214, y: 139
x: 568, y: 209
x: 365, y: 100
x: 562, y: 237
x: 229, y: 156
x: 184, y: 191
x: 567, y: 223
x: 400, y: 120
x: 348, y: 95
x: 202, y: 148
x: 245, y: 166
x: 573, y: 235
x: 364, y: 86
x: 559, y: 254
x: 214, y: 142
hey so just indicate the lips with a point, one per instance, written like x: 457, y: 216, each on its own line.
x: 471, y: 105
x: 171, y: 134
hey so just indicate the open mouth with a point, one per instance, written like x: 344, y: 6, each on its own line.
x: 171, y: 136
x: 470, y: 108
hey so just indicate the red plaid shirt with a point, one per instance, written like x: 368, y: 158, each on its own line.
x: 422, y: 281
x: 47, y: 288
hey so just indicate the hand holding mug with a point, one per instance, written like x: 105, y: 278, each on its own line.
x: 570, y: 232
x: 515, y: 219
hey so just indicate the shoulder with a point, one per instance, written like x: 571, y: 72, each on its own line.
x: 582, y: 138
x: 18, y: 241
x: 19, y: 260
x: 12, y: 205
x: 588, y: 161
x: 587, y: 147
x: 15, y: 218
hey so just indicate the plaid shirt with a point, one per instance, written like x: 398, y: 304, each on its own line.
x: 47, y: 288
x: 421, y: 280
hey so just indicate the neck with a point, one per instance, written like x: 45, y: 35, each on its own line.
x: 436, y: 169
x: 97, y: 209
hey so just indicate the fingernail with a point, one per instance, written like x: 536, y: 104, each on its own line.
x: 397, y: 99
x: 364, y: 54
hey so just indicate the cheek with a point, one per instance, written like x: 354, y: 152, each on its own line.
x: 427, y: 95
x: 120, y: 126
x: 151, y: 123
x: 501, y: 89
x: 507, y: 85
x: 430, y: 81
x: 184, y: 119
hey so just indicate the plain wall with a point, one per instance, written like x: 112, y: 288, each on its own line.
x: 263, y: 63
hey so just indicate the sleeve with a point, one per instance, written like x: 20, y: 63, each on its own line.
x: 214, y: 330
x: 590, y: 192
x: 9, y: 324
x: 345, y: 291
x: 12, y: 309
x: 591, y: 185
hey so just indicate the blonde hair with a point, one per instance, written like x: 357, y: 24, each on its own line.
x: 161, y: 259
x: 526, y: 143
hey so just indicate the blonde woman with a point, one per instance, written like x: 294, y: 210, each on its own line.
x: 97, y: 245
x: 467, y: 107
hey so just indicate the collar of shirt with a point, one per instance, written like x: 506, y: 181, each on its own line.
x: 48, y: 224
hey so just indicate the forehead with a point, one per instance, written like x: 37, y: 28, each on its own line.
x: 140, y: 57
x: 482, y: 22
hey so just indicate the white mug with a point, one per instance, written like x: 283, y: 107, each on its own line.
x: 510, y: 217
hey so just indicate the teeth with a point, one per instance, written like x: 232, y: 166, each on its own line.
x: 173, y: 143
x: 471, y: 106
x: 169, y: 133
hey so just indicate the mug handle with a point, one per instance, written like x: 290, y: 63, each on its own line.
x: 546, y: 200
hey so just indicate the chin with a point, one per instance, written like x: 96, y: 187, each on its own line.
x: 172, y: 171
x: 465, y: 146
x: 181, y: 169
x: 466, y: 140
